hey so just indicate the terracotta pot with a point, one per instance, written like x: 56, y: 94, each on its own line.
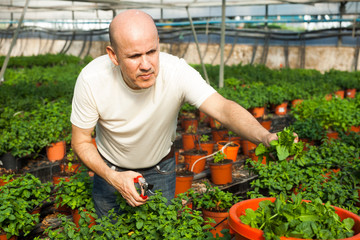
x: 328, y: 97
x: 203, y: 117
x: 214, y: 123
x: 350, y: 93
x: 76, y: 217
x: 355, y: 129
x: 4, y: 182
x: 340, y: 94
x: 56, y: 151
x: 230, y: 151
x: 183, y: 182
x: 3, y: 237
x: 63, y: 209
x: 188, y: 141
x: 218, y: 217
x: 187, y: 122
x: 307, y: 142
x: 191, y: 158
x: 218, y: 134
x: 74, y: 167
x: 266, y: 124
x: 245, y: 232
x: 255, y: 158
x: 281, y: 109
x: 36, y: 211
x: 296, y: 102
x: 221, y: 173
x: 176, y: 156
x: 328, y: 173
x: 332, y: 135
x: 206, y: 146
x: 257, y: 112
x: 56, y: 179
x: 298, y: 189
x: 247, y: 146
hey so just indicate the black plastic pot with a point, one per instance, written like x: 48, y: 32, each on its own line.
x: 8, y: 161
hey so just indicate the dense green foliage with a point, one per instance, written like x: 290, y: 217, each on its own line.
x: 35, y: 107
x: 35, y: 102
x: 329, y: 171
x: 18, y: 199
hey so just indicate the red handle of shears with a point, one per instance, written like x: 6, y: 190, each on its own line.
x: 136, y: 180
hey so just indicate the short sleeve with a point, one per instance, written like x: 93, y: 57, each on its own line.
x: 195, y: 89
x: 84, y: 112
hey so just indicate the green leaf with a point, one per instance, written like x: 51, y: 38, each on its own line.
x: 282, y: 152
x: 260, y: 149
x: 349, y: 223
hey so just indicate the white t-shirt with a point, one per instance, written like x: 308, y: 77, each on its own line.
x: 135, y: 128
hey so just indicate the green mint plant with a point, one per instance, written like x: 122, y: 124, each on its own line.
x: 204, y: 138
x: 154, y: 220
x: 219, y: 157
x: 298, y: 219
x: 30, y: 189
x: 15, y: 218
x: 213, y: 199
x: 75, y: 193
x: 282, y: 148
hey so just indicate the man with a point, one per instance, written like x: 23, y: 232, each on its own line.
x: 133, y: 95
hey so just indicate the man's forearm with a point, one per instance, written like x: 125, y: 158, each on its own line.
x: 239, y: 120
x: 91, y: 158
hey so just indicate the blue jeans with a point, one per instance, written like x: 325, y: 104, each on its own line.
x: 164, y: 179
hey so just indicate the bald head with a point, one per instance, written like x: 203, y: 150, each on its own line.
x: 130, y: 24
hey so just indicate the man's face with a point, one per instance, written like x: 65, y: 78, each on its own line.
x: 138, y: 58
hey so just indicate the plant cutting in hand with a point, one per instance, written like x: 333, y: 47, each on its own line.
x: 298, y: 219
x: 282, y: 148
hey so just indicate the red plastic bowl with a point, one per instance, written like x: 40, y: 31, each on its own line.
x: 245, y: 232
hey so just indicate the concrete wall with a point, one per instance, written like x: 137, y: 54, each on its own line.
x: 321, y: 58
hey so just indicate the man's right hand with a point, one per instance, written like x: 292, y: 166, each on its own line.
x: 123, y: 182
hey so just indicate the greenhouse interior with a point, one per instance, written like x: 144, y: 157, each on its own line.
x: 245, y: 161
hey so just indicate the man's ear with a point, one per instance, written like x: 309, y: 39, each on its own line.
x: 110, y: 51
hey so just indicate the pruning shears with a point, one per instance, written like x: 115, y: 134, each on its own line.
x: 145, y: 187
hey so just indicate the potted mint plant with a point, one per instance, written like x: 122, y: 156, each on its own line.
x: 214, y: 204
x: 221, y: 169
